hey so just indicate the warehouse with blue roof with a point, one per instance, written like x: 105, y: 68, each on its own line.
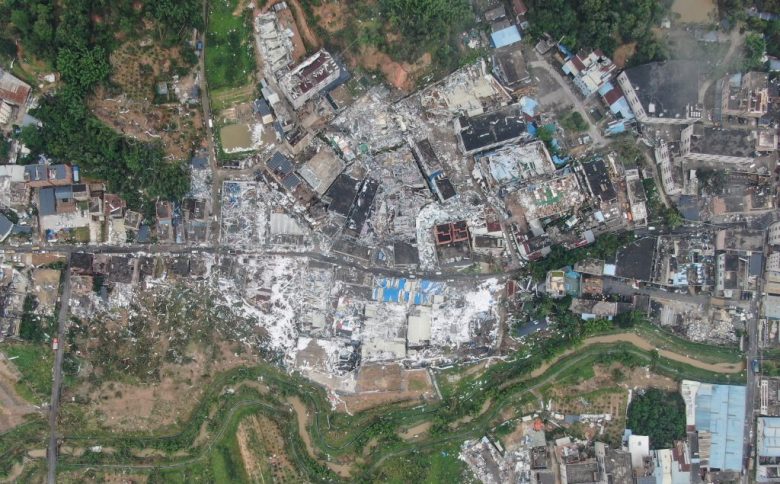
x: 717, y: 413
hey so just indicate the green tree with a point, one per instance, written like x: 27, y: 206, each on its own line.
x: 673, y: 218
x: 424, y: 23
x: 659, y: 415
x: 755, y: 47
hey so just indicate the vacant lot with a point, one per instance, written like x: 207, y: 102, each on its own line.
x: 35, y: 363
x: 230, y: 61
x: 696, y: 11
x: 178, y: 127
x: 12, y: 406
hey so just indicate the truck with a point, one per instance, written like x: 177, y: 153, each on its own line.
x: 55, y: 344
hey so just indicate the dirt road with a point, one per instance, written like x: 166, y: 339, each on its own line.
x: 311, y: 39
x: 594, y: 133
x: 637, y: 341
x: 735, y: 42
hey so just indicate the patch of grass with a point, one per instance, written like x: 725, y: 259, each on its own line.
x: 230, y: 60
x: 227, y: 97
x: 35, y: 363
x: 440, y: 464
x: 699, y: 351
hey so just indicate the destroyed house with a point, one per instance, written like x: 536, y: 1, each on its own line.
x: 341, y: 194
x: 490, y: 130
x: 12, y: 90
x: 743, y: 95
x: 310, y: 77
x: 589, y: 72
x: 362, y: 206
x: 81, y: 263
x: 509, y: 67
x: 451, y: 233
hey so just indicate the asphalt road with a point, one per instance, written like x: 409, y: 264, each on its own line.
x: 615, y: 286
x: 753, y: 379
x: 54, y: 405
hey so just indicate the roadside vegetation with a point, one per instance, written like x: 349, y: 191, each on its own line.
x: 605, y: 248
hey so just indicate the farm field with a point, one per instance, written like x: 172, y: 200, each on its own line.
x: 230, y: 60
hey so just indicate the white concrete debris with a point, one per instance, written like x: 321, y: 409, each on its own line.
x: 455, y: 322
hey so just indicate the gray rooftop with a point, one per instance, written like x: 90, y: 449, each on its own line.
x: 46, y: 205
x: 718, y: 141
x: 666, y: 89
x: 5, y: 226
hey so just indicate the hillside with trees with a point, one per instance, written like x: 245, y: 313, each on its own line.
x: 602, y: 24
x: 75, y: 38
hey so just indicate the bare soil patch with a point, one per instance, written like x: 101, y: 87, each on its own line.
x: 696, y: 11
x: 381, y: 384
x: 303, y: 27
x: 332, y: 15
x: 128, y: 407
x: 178, y: 127
x: 416, y: 431
x: 400, y: 75
x: 13, y: 407
x: 623, y: 53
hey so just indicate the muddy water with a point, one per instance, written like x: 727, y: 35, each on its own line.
x: 695, y: 11
x: 236, y: 137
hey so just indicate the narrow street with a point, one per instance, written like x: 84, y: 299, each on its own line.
x: 56, y: 387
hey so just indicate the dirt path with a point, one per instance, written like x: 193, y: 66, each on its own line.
x: 303, y: 26
x: 637, y: 341
x: 735, y: 45
x: 415, y: 431
x: 302, y: 416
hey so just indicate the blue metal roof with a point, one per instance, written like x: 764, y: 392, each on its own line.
x: 605, y: 88
x: 63, y: 193
x: 507, y: 36
x: 280, y: 164
x: 720, y: 410
x: 769, y: 436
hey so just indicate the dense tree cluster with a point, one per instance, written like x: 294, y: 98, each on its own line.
x: 425, y: 24
x: 605, y: 247
x: 659, y: 415
x: 602, y: 24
